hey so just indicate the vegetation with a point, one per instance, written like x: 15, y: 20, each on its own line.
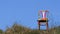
x: 18, y: 29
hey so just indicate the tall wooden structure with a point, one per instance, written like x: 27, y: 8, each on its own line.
x: 42, y: 19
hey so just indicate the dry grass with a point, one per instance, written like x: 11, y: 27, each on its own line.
x: 18, y: 29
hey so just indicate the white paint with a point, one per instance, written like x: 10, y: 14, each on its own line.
x: 43, y: 14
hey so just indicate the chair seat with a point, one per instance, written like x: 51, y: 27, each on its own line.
x: 43, y: 20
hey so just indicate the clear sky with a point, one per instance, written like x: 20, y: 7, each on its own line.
x: 25, y: 12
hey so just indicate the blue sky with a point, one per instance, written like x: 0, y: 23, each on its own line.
x: 25, y: 12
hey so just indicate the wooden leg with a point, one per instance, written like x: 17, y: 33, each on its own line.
x: 39, y: 25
